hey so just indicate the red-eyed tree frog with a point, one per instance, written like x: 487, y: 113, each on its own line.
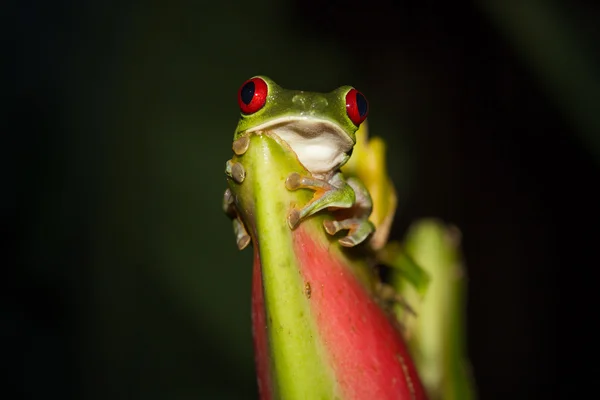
x: 320, y: 128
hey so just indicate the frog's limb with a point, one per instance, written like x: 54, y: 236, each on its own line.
x: 334, y: 194
x: 359, y: 226
x: 358, y: 230
x: 241, y: 234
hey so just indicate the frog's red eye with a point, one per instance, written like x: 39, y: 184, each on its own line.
x: 252, y: 95
x: 357, y: 106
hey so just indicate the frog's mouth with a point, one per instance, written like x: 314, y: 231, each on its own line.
x: 320, y: 145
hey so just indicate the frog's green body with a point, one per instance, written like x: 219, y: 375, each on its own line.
x: 321, y: 130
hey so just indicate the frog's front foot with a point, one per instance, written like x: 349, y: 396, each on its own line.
x: 242, y: 237
x: 334, y: 194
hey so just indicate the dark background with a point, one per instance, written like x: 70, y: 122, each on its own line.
x: 123, y: 279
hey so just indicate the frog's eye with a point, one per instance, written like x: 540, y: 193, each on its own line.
x: 357, y: 106
x: 252, y: 95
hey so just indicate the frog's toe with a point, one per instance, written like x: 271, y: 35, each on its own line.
x: 228, y: 204
x: 355, y: 238
x: 243, y: 241
x: 293, y: 218
x: 358, y: 230
x: 293, y: 181
x: 242, y: 237
x: 297, y: 181
x: 331, y: 226
x: 240, y: 146
x: 235, y: 171
x: 325, y: 195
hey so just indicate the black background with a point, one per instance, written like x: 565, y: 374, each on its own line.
x: 479, y: 136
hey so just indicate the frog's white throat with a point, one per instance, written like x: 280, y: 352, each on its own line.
x: 320, y: 145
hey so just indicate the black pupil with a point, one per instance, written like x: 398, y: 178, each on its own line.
x: 247, y: 93
x: 361, y: 104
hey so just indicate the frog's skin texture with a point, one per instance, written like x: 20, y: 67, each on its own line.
x: 320, y: 128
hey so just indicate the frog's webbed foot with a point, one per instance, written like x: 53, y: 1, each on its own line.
x: 334, y: 194
x: 327, y: 194
x: 358, y: 230
x: 241, y: 234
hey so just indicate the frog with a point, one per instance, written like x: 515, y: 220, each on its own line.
x: 320, y: 128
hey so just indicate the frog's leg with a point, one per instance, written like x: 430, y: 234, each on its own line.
x: 335, y: 194
x: 241, y: 234
x: 359, y: 227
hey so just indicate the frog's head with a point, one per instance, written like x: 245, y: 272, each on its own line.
x: 319, y: 127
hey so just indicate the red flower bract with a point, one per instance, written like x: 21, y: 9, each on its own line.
x: 367, y: 353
